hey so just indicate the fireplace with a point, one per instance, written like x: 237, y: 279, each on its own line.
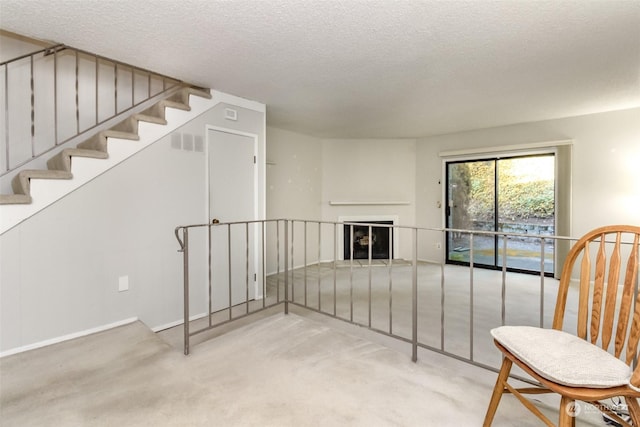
x: 380, y: 242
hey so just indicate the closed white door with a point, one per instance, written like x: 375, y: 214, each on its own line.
x: 232, y: 198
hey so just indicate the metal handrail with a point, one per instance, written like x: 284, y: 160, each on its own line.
x: 297, y: 246
x: 11, y: 123
x: 287, y: 248
x: 46, y: 51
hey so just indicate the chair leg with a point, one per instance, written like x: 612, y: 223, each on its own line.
x: 567, y: 412
x: 497, y: 391
x: 634, y: 410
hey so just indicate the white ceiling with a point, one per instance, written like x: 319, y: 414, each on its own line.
x: 377, y: 68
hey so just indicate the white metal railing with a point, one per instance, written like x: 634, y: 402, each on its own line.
x: 426, y: 303
x: 53, y: 95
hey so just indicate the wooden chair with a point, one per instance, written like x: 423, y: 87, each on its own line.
x: 580, y: 367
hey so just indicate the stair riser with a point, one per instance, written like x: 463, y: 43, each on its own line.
x: 60, y: 162
x: 129, y: 125
x: 98, y: 142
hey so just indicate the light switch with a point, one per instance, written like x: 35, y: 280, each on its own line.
x: 123, y: 283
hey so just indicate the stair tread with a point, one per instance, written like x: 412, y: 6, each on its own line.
x: 176, y: 104
x: 14, y: 199
x: 62, y: 160
x: 85, y: 152
x: 150, y: 119
x: 110, y: 133
x: 45, y: 174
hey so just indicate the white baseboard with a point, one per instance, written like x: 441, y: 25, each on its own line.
x: 177, y: 322
x: 67, y: 337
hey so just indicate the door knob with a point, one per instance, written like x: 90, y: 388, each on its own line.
x: 215, y: 221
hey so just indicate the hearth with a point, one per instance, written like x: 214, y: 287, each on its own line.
x: 380, y: 241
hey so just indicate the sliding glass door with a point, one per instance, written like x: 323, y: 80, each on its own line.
x: 513, y: 195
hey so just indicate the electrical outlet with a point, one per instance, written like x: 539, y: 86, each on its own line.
x: 123, y: 283
x: 438, y: 245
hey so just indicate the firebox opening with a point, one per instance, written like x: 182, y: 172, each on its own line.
x: 380, y: 241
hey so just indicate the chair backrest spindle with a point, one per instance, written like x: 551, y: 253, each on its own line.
x: 612, y: 294
x: 611, y: 311
x: 583, y: 305
x: 631, y: 278
x: 598, y: 290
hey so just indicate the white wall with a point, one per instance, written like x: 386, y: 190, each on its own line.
x: 59, y: 269
x: 294, y: 189
x: 606, y: 176
x: 606, y: 159
x: 370, y: 170
x: 308, y: 173
x: 294, y: 175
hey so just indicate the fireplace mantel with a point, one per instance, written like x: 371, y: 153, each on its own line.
x: 368, y: 203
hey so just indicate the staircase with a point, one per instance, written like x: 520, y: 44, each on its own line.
x: 67, y: 116
x: 96, y: 147
x: 71, y: 168
x: 129, y: 108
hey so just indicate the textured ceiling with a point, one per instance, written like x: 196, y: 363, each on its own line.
x: 379, y: 68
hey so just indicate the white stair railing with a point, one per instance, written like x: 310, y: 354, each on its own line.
x: 53, y: 95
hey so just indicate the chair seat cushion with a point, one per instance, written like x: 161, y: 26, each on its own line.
x: 562, y: 357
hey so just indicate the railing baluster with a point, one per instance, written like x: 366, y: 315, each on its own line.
x: 77, y: 93
x: 115, y: 89
x: 319, y: 271
x: 185, y: 260
x: 504, y: 280
x: 335, y: 266
x: 304, y: 265
x: 210, y: 267
x: 390, y: 268
x: 414, y: 298
x: 442, y: 295
x: 286, y: 266
x: 246, y: 235
x: 6, y: 116
x: 33, y: 109
x: 369, y: 255
x: 55, y: 97
x: 229, y: 269
x: 293, y: 266
x: 278, y: 261
x: 471, y: 297
x: 351, y: 272
x: 97, y: 79
x: 264, y: 263
x: 542, y: 243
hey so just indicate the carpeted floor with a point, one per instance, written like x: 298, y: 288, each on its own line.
x: 281, y: 370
